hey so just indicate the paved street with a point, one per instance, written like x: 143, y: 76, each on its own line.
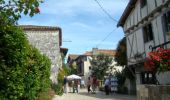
x: 83, y: 95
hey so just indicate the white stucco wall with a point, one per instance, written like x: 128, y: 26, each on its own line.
x: 87, y: 72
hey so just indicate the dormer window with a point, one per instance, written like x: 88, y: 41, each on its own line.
x: 143, y: 3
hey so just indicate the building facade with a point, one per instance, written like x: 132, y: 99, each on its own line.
x: 83, y: 62
x: 48, y: 40
x: 146, y: 24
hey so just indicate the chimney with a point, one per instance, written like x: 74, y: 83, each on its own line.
x: 94, y: 51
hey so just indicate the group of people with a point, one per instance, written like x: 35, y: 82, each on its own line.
x: 92, y: 84
x: 73, y: 85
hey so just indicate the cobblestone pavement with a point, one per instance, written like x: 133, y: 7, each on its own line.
x: 83, y: 95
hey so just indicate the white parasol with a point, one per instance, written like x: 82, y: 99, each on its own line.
x: 72, y: 77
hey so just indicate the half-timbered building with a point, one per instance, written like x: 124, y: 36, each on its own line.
x: 146, y: 24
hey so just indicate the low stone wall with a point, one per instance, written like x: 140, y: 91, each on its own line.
x: 153, y: 92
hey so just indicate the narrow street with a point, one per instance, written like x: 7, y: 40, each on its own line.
x: 83, y: 95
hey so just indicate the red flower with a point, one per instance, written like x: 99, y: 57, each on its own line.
x: 156, y: 59
x: 37, y: 10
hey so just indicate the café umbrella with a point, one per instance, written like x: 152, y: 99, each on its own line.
x: 72, y: 77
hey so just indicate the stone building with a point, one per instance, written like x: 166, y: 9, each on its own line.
x: 48, y: 40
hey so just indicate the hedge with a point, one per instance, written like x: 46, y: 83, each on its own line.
x: 24, y: 72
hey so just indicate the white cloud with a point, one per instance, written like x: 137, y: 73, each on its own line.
x: 82, y: 22
x: 72, y: 7
x: 79, y: 24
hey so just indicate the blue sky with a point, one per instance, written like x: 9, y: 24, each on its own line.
x: 82, y: 22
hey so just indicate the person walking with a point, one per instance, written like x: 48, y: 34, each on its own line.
x: 94, y: 83
x: 106, y: 83
x: 88, y: 85
x: 65, y: 84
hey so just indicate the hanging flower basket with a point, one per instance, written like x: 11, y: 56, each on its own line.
x: 158, y: 61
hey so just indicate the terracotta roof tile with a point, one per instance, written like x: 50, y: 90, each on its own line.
x: 73, y: 56
x: 101, y: 51
x: 107, y: 52
x: 35, y: 27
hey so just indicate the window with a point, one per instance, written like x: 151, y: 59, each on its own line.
x: 166, y: 18
x: 143, y: 3
x: 147, y: 33
x: 85, y: 58
x: 148, y: 78
x: 90, y: 68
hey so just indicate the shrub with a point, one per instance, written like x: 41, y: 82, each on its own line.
x: 37, y: 74
x: 24, y: 72
x: 60, y: 76
x: 58, y: 88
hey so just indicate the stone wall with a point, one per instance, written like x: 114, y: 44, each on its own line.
x: 48, y: 43
x: 153, y: 92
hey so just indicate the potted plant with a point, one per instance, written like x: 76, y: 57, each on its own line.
x: 158, y: 61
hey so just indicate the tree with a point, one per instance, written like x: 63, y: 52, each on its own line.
x: 24, y: 72
x: 10, y: 10
x: 73, y: 68
x: 120, y: 56
x: 101, y: 64
x: 121, y: 59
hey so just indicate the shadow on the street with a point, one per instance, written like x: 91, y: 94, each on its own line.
x: 111, y: 96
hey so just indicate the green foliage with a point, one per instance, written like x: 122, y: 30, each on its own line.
x: 121, y: 57
x: 72, y: 68
x: 37, y: 74
x: 101, y: 64
x: 58, y: 88
x: 61, y: 75
x: 23, y: 70
x: 66, y: 69
x: 46, y: 95
x: 10, y: 10
x: 13, y: 55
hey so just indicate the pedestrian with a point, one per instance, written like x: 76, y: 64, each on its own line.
x: 77, y: 86
x: 106, y: 83
x: 82, y: 84
x: 88, y: 85
x: 65, y: 84
x: 70, y: 86
x: 94, y: 83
